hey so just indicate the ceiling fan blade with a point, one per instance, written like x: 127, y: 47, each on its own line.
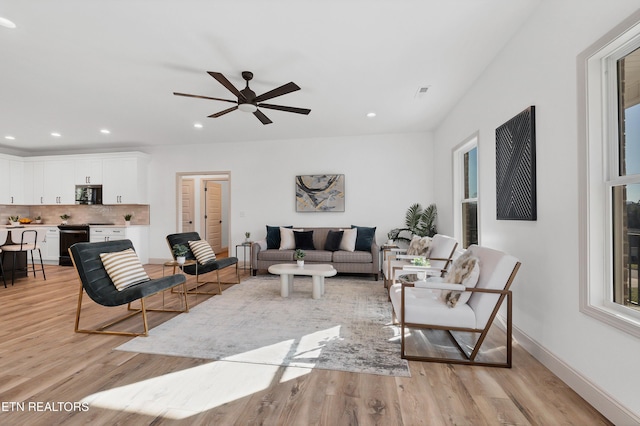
x: 278, y: 91
x: 262, y: 117
x: 204, y: 97
x: 218, y: 114
x: 286, y: 108
x: 226, y: 83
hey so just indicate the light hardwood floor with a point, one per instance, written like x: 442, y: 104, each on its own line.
x: 45, y: 362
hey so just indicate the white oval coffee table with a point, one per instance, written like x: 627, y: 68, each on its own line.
x: 317, y: 272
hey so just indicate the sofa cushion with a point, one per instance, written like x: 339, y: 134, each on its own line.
x: 322, y: 256
x: 352, y: 257
x: 273, y: 236
x: 287, y: 241
x: 334, y: 238
x: 348, y: 242
x: 276, y: 255
x: 304, y: 240
x: 365, y: 237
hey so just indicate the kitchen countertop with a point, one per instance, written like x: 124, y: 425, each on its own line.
x: 35, y: 225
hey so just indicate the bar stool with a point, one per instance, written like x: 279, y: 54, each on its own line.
x: 3, y: 239
x: 28, y: 244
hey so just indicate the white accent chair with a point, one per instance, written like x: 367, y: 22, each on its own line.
x: 440, y: 253
x: 419, y: 306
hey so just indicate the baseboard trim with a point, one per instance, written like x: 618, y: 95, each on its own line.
x: 607, y: 405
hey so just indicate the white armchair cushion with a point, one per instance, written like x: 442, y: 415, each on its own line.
x: 424, y: 306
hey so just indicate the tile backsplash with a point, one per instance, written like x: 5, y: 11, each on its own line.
x: 50, y: 214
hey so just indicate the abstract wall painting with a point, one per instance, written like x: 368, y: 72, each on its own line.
x: 320, y: 193
x: 516, y: 167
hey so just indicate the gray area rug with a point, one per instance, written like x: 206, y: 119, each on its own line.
x: 348, y: 329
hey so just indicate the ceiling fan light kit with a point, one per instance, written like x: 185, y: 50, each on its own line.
x: 247, y: 107
x: 247, y: 101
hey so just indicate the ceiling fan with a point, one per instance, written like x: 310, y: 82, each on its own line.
x: 247, y: 99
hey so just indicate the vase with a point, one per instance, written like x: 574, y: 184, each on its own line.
x: 127, y: 223
x: 181, y: 259
x: 15, y: 223
x: 300, y: 263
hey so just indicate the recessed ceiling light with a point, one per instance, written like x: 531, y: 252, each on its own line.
x: 105, y: 131
x: 371, y: 114
x: 55, y: 134
x: 4, y: 22
x: 9, y: 137
x: 198, y: 125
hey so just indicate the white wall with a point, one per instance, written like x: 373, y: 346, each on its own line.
x: 384, y: 175
x: 538, y: 68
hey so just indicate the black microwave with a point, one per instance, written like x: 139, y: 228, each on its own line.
x: 88, y: 194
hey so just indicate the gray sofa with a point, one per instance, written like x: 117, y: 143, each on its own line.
x: 355, y: 262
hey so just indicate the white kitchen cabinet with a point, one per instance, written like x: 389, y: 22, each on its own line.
x: 99, y: 234
x: 124, y: 180
x: 59, y: 186
x: 11, y: 181
x: 88, y: 171
x: 34, y: 182
x: 5, y: 178
x: 139, y: 236
x: 51, y: 247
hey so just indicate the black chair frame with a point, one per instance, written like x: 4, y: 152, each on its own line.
x: 95, y: 281
x: 200, y: 269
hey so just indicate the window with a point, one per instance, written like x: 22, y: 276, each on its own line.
x: 466, y: 191
x: 625, y: 182
x: 610, y: 180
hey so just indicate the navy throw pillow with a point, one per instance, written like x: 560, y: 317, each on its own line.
x: 304, y: 240
x: 365, y: 237
x: 334, y: 238
x: 273, y: 236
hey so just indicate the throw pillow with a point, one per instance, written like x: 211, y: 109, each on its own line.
x: 349, y: 237
x: 124, y: 268
x: 334, y: 238
x: 465, y: 270
x: 273, y: 236
x: 365, y: 237
x: 419, y: 246
x: 202, y: 251
x: 287, y: 240
x: 304, y: 240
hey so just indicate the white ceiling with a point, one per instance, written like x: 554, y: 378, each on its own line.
x: 77, y: 66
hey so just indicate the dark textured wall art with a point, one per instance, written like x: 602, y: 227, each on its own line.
x: 516, y: 167
x: 320, y: 193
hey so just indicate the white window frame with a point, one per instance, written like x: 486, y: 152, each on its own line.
x: 458, y: 185
x: 598, y: 173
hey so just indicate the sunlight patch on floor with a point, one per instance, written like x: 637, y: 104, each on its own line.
x: 303, y: 353
x: 185, y: 393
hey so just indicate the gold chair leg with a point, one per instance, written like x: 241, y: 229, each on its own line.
x: 133, y: 312
x: 198, y: 282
